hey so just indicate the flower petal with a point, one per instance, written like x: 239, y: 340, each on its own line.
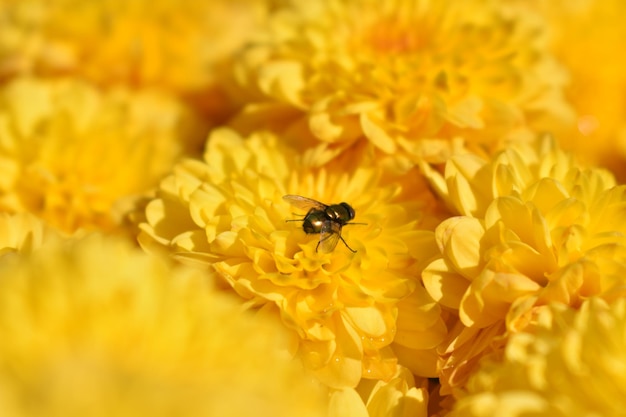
x: 376, y: 134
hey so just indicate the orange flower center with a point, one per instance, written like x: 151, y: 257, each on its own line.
x: 393, y: 36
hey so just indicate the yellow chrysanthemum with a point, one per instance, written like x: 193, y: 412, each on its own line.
x: 397, y: 397
x: 147, y: 43
x: 573, y: 364
x: 96, y: 327
x: 586, y: 36
x: 418, y: 79
x: 228, y: 212
x: 535, y: 228
x: 74, y: 156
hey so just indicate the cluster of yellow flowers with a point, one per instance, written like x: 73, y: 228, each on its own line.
x: 325, y: 208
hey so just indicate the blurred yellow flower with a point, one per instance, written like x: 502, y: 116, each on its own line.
x: 75, y: 156
x: 96, y: 327
x: 227, y: 212
x: 398, y: 397
x: 535, y: 228
x: 418, y: 79
x: 573, y: 364
x: 586, y: 37
x: 22, y: 232
x: 146, y: 43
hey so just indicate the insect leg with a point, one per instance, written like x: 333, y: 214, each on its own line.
x: 344, y: 242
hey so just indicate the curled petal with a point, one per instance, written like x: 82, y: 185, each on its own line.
x: 459, y: 239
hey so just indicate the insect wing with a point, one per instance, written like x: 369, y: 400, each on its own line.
x: 304, y: 203
x: 329, y: 236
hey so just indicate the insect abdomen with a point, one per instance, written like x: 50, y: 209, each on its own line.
x: 312, y: 224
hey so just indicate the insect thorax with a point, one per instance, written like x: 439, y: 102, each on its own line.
x: 341, y: 213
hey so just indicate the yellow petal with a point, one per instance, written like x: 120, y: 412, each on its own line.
x: 398, y: 398
x: 466, y: 113
x: 368, y: 319
x: 443, y: 284
x: 468, y: 184
x: 323, y: 127
x: 421, y: 362
x: 377, y: 135
x: 546, y: 193
x: 460, y: 241
x: 283, y: 79
x: 419, y: 323
x: 344, y: 367
x: 346, y: 403
x: 489, y: 297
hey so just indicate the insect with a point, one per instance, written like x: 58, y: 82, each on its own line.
x: 327, y: 220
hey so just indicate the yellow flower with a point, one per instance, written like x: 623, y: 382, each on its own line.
x: 535, y: 228
x: 96, y: 327
x: 22, y: 232
x: 593, y: 30
x: 573, y: 364
x: 148, y: 43
x: 418, y: 79
x: 470, y: 183
x: 398, y: 397
x: 228, y: 212
x: 75, y: 156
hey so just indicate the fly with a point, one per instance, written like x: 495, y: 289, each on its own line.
x: 327, y: 220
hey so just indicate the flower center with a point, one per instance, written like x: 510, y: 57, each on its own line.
x: 393, y: 36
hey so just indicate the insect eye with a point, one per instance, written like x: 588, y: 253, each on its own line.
x: 349, y: 209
